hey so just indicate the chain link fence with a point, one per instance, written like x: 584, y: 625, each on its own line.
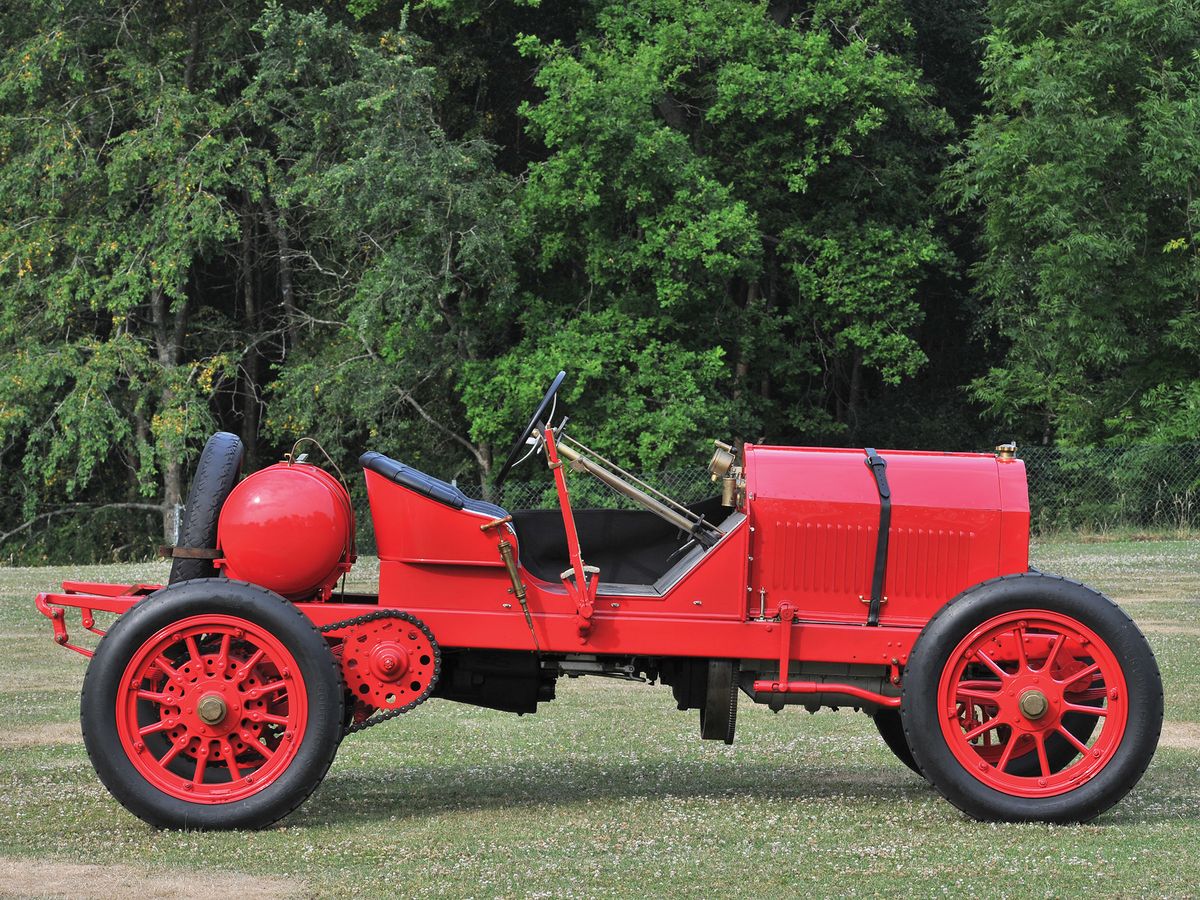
x: 1087, y: 489
x: 1140, y: 487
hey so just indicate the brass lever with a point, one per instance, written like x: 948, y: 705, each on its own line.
x: 510, y: 563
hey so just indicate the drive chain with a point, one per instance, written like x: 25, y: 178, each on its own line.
x: 437, y: 663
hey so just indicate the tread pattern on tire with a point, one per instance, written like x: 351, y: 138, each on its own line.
x: 887, y: 722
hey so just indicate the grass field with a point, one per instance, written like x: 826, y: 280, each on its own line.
x: 606, y: 792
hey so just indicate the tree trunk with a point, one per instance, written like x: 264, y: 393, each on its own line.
x: 193, y: 57
x: 484, y: 460
x: 286, y: 293
x: 741, y: 368
x: 251, y: 364
x: 854, y: 401
x: 169, y: 332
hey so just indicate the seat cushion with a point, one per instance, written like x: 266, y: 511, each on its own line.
x: 427, y: 485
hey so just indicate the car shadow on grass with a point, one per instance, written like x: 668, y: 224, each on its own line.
x: 382, y: 792
x: 390, y: 792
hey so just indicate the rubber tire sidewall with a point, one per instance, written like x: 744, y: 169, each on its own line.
x: 891, y: 729
x: 216, y: 474
x: 1032, y: 591
x: 318, y: 668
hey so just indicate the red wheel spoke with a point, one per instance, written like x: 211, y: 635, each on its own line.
x: 230, y: 762
x: 1022, y: 656
x: 981, y: 696
x: 993, y: 665
x: 981, y: 729
x: 272, y: 688
x: 258, y: 747
x: 249, y: 664
x: 193, y: 650
x: 1013, y: 740
x: 1080, y: 675
x: 1084, y: 696
x: 276, y: 720
x: 156, y: 697
x: 1039, y: 739
x: 1074, y: 741
x: 165, y: 666
x: 201, y: 763
x: 223, y: 653
x: 160, y: 725
x: 172, y: 752
x: 1086, y: 710
x: 1059, y: 640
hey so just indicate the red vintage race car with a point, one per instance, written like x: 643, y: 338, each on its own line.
x: 895, y: 582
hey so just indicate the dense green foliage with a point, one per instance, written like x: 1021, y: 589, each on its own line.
x: 1085, y: 169
x: 853, y: 221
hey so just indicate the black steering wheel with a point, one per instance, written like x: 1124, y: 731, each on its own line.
x: 539, y: 416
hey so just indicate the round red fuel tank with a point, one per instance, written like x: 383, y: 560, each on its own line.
x: 289, y: 528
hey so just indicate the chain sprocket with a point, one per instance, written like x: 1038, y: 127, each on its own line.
x: 390, y: 661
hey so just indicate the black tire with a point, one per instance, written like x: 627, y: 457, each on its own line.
x: 1037, y: 592
x: 891, y: 729
x: 718, y: 715
x: 216, y: 474
x: 319, y: 671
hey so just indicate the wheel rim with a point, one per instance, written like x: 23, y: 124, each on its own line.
x: 1006, y: 687
x: 212, y: 709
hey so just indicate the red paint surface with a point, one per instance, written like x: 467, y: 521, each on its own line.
x: 808, y: 540
x: 289, y: 528
x: 815, y: 511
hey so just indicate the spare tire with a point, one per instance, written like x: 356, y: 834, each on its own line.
x: 216, y: 474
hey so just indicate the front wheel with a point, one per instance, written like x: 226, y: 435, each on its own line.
x: 1032, y: 698
x: 213, y: 704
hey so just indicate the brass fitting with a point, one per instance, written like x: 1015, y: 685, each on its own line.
x: 722, y: 460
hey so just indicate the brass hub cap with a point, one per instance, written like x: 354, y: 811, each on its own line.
x: 211, y: 709
x: 1034, y: 704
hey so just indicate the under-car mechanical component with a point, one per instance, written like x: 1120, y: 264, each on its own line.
x: 390, y: 661
x: 718, y: 715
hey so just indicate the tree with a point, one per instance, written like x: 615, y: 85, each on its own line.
x: 118, y: 162
x: 750, y: 176
x: 400, y: 237
x: 1085, y: 171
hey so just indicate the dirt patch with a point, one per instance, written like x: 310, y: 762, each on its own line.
x: 1172, y: 597
x: 1180, y: 736
x: 1169, y: 628
x: 41, y: 735
x: 28, y: 878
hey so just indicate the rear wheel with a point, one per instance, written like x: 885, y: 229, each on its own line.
x: 1032, y: 697
x: 212, y: 704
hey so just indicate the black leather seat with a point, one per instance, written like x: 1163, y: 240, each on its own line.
x: 427, y: 485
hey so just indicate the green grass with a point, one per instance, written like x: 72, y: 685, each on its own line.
x: 609, y: 792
